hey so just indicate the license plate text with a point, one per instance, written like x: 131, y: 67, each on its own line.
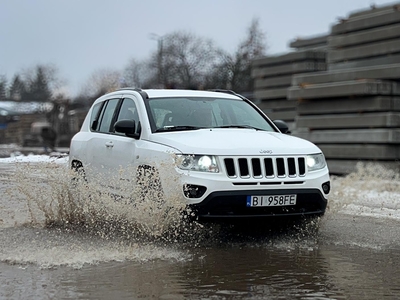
x: 271, y: 200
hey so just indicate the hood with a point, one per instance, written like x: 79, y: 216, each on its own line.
x: 229, y: 141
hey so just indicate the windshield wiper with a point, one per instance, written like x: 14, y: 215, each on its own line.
x: 239, y: 126
x: 177, y: 128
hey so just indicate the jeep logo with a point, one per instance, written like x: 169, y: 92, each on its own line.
x: 265, y: 151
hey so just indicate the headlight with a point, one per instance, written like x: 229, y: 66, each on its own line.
x: 315, y: 162
x: 203, y: 163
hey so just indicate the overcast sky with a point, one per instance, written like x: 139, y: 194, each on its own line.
x: 82, y: 36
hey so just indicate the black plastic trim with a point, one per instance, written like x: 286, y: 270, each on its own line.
x: 228, y: 92
x: 232, y: 204
x: 140, y: 91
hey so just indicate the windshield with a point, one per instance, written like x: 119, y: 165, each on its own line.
x: 184, y: 113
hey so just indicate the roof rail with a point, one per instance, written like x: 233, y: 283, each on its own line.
x: 139, y: 90
x: 228, y: 92
x: 223, y: 91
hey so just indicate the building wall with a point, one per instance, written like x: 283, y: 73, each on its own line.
x: 15, y: 132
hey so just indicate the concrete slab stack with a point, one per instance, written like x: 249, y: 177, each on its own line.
x: 273, y: 76
x: 316, y: 42
x: 366, y: 38
x: 352, y: 110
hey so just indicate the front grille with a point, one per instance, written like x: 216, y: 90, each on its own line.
x: 265, y: 167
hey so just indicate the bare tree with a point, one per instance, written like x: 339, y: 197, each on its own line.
x: 253, y: 47
x: 185, y: 60
x: 102, y: 81
x: 234, y: 71
x: 139, y: 74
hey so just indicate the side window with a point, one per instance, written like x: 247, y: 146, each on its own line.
x: 128, y: 111
x: 94, y: 117
x: 107, y: 115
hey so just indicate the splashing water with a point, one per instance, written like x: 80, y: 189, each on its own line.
x: 55, y: 198
x: 71, y: 223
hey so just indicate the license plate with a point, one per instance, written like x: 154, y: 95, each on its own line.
x: 271, y: 200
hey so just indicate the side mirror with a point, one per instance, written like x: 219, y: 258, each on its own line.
x: 282, y: 126
x: 128, y: 127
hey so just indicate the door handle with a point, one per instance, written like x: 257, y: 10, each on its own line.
x: 109, y: 144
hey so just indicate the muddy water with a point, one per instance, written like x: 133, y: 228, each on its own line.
x: 57, y: 245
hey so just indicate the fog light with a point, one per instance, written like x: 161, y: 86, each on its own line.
x: 326, y: 187
x: 193, y: 191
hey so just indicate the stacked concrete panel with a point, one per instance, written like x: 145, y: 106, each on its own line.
x: 366, y: 38
x: 273, y: 76
x: 317, y: 42
x: 352, y: 110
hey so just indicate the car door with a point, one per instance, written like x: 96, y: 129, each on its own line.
x: 122, y: 150
x: 100, y: 145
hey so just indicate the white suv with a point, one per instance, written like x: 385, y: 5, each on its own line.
x: 214, y: 150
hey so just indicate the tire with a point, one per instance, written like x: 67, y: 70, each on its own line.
x: 79, y: 175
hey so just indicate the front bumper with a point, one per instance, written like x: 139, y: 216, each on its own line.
x: 232, y: 204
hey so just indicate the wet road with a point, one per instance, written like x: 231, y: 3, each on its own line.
x: 352, y: 253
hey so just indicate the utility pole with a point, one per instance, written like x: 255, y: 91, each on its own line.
x: 159, y: 40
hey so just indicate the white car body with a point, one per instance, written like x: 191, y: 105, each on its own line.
x: 234, y: 163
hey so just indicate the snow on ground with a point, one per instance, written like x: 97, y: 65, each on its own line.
x: 58, y: 158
